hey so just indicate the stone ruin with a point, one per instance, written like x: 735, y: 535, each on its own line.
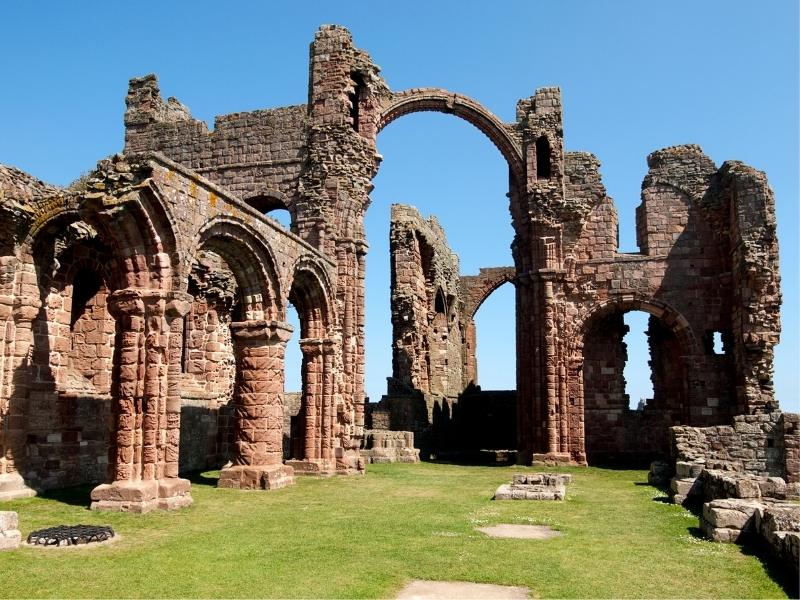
x: 535, y: 486
x: 10, y: 535
x: 144, y: 308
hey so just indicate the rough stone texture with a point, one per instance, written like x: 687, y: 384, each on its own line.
x: 382, y: 446
x: 534, y: 486
x: 729, y: 519
x: 779, y: 528
x: 774, y: 525
x: 10, y: 536
x: 725, y: 484
x: 159, y: 289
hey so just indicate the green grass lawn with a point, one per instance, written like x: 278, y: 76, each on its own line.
x: 365, y: 537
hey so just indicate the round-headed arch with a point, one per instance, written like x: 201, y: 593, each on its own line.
x: 444, y: 101
x: 251, y: 261
x: 666, y: 314
x: 311, y: 294
x: 480, y: 287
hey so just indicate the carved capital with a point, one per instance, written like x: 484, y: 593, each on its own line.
x: 178, y: 304
x: 317, y: 346
x: 127, y: 302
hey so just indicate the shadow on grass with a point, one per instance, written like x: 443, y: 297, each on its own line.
x: 750, y: 545
x: 78, y: 495
x: 773, y: 567
x: 201, y: 478
x: 468, y: 463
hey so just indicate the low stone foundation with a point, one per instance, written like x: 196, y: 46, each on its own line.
x: 724, y: 484
x: 772, y: 524
x: 534, y: 486
x: 256, y: 477
x: 10, y: 536
x: 142, y: 496
x: 321, y: 467
x: 382, y: 446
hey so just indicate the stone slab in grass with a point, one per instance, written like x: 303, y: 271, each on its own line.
x: 523, y: 532
x: 458, y: 590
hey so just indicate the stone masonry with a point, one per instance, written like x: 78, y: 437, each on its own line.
x: 151, y: 300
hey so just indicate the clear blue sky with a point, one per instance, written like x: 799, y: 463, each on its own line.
x: 635, y: 76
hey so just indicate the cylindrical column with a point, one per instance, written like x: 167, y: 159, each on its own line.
x: 176, y: 312
x: 258, y: 434
x: 550, y: 369
x: 312, y: 398
x: 125, y: 454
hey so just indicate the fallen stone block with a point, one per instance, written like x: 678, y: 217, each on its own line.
x: 534, y: 486
x: 729, y: 519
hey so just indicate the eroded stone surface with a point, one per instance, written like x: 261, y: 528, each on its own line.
x: 153, y: 297
x: 10, y: 536
x: 534, y: 486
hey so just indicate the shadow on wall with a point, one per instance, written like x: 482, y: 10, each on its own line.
x: 64, y: 338
x: 471, y: 428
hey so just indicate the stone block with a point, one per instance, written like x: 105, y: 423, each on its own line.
x: 9, y: 520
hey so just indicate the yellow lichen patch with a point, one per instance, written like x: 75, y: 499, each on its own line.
x: 212, y: 199
x: 193, y: 189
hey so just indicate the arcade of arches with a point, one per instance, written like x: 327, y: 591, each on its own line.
x: 144, y: 312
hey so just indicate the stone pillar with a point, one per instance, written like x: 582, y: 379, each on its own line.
x: 554, y: 393
x: 577, y: 446
x: 143, y: 455
x: 258, y: 444
x: 317, y: 409
x: 17, y: 341
x: 358, y: 395
x: 328, y: 396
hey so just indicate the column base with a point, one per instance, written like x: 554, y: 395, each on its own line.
x: 321, y: 467
x: 256, y: 477
x: 552, y: 459
x: 349, y: 462
x: 13, y: 487
x: 142, y: 496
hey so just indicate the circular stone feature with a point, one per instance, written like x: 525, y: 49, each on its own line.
x: 70, y: 535
x: 523, y: 532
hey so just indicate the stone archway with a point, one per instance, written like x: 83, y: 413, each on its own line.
x: 444, y: 101
x: 255, y: 344
x: 599, y: 406
x: 315, y: 448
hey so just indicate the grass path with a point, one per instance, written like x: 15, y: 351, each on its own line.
x: 365, y: 537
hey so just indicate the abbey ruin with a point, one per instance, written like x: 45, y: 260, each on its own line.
x: 145, y: 312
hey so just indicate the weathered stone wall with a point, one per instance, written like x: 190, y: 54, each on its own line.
x: 762, y: 444
x: 141, y: 228
x: 254, y: 155
x: 427, y: 324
